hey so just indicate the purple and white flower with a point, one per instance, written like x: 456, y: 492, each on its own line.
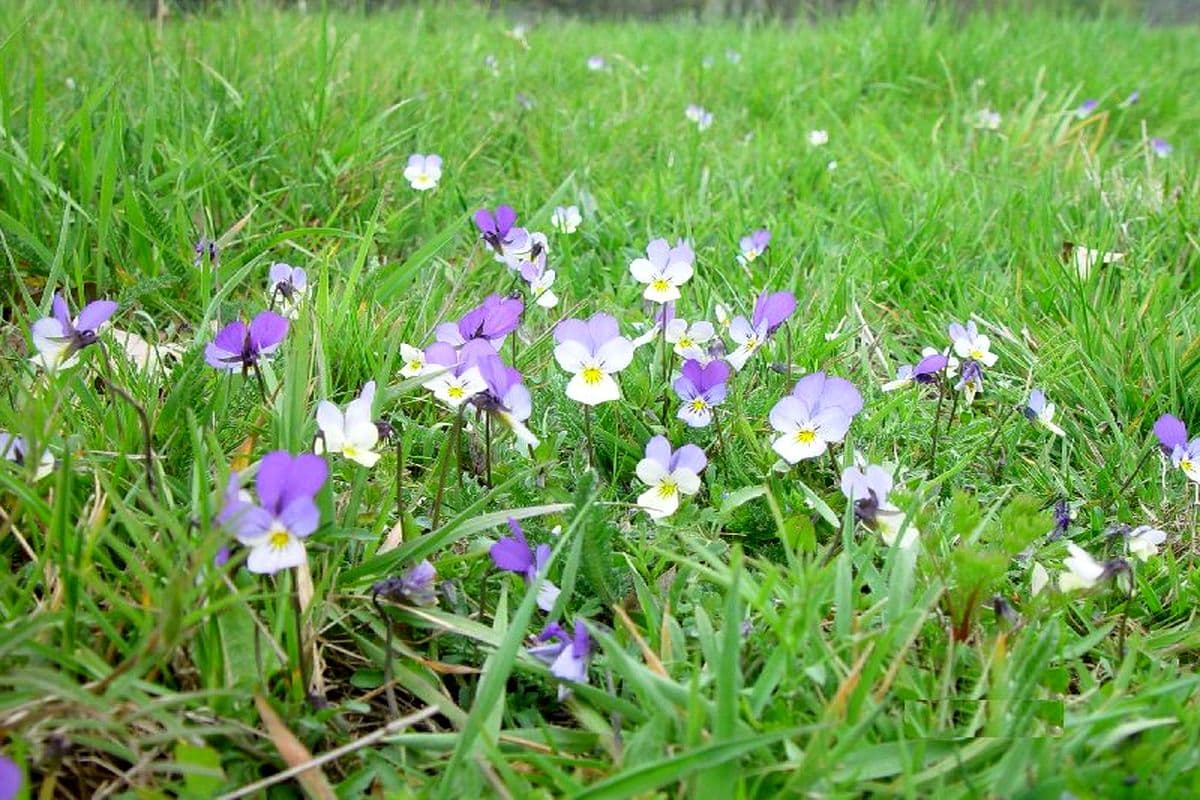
x: 1082, y: 570
x: 699, y: 115
x: 701, y: 388
x: 1086, y: 108
x: 689, y: 340
x: 566, y: 219
x: 818, y: 138
x: 1144, y: 540
x: 353, y: 434
x: 241, y: 346
x: 513, y: 554
x: 499, y: 232
x: 1038, y: 410
x: 491, y: 321
x: 290, y: 285
x: 16, y: 449
x: 815, y: 415
x: 1161, y: 147
x: 668, y: 474
x: 566, y: 655
x: 771, y: 309
x: 593, y: 352
x: 458, y: 378
x: 970, y: 343
x: 423, y: 171
x: 506, y: 397
x: 58, y: 338
x: 596, y: 63
x: 540, y: 280
x: 868, y: 489
x: 925, y: 371
x: 664, y: 270
x: 754, y: 245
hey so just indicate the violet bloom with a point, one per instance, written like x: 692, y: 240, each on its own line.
x: 500, y: 234
x: 1086, y: 107
x: 290, y: 284
x: 1187, y: 458
x: 868, y: 489
x: 925, y: 371
x: 771, y: 309
x: 970, y: 380
x: 1038, y: 410
x: 513, y: 554
x: 1171, y: 432
x: 207, y: 249
x: 699, y: 115
x: 415, y: 586
x: 754, y: 245
x: 287, y: 513
x: 815, y: 415
x: 455, y: 377
x: 669, y: 474
x: 592, y: 351
x: 595, y: 63
x: 506, y: 397
x: 701, y: 388
x: 566, y: 656
x: 16, y: 449
x: 970, y: 343
x: 423, y: 171
x: 241, y: 346
x: 10, y: 778
x: 540, y: 280
x: 664, y: 269
x: 1161, y: 147
x: 1063, y: 515
x: 491, y: 320
x: 58, y: 339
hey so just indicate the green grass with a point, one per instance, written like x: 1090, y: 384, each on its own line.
x: 128, y: 664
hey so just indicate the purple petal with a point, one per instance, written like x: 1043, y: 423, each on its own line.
x: 602, y: 328
x: 273, y: 472
x: 95, y: 314
x: 280, y: 273
x: 1170, y: 431
x: 573, y: 330
x: 541, y: 556
x: 841, y: 393
x: 930, y: 365
x: 808, y: 390
x: 267, y: 330
x: 686, y: 388
x: 503, y: 318
x: 306, y: 476
x: 512, y: 555
x: 658, y: 449
x: 957, y: 332
x: 247, y: 521
x: 485, y: 221
x: 689, y: 457
x: 716, y: 373
x: 475, y: 352
x: 1037, y: 401
x: 441, y: 354
x: 658, y: 252
x: 693, y: 370
x: 581, y: 641
x: 58, y: 308
x: 10, y: 778
x: 301, y: 517
x: 773, y: 309
x: 715, y: 395
x: 505, y: 217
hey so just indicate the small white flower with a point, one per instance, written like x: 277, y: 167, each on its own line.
x: 423, y: 172
x: 818, y: 138
x: 985, y: 119
x: 1042, y: 412
x: 414, y: 361
x: 454, y: 390
x: 1083, y: 571
x: 748, y: 340
x: 970, y: 343
x: 566, y: 219
x: 689, y: 340
x: 664, y: 270
x: 352, y: 434
x: 1144, y: 541
x: 1086, y: 258
x: 669, y: 476
x: 804, y: 434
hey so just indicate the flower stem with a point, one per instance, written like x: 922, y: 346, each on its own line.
x: 443, y: 468
x: 388, y: 689
x: 788, y: 339
x: 399, y: 475
x: 1137, y: 468
x: 587, y: 434
x: 458, y: 427
x: 487, y: 446
x: 937, y: 419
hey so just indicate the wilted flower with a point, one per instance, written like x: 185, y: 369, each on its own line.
x: 1086, y: 108
x: 1086, y: 258
x: 540, y: 280
x: 498, y: 232
x: 664, y: 270
x: 458, y: 378
x: 353, y: 434
x: 16, y: 449
x: 241, y: 346
x: 290, y: 285
x: 275, y: 530
x: 816, y: 414
x: 868, y: 489
x: 701, y: 388
x: 817, y: 138
x: 596, y: 63
x: 206, y: 248
x: 669, y: 475
x: 513, y: 554
x: 592, y: 351
x: 925, y: 371
x: 423, y: 172
x: 771, y: 309
x: 567, y: 656
x: 1161, y: 147
x: 754, y: 245
x: 1144, y: 541
x: 491, y: 321
x: 970, y: 343
x: 1064, y: 515
x: 566, y: 219
x: 58, y: 339
x: 1039, y: 411
x: 417, y: 585
x: 689, y: 339
x: 699, y: 115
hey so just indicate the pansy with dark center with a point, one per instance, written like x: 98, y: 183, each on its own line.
x: 701, y: 388
x: 868, y: 489
x: 242, y: 346
x: 417, y: 585
x: 566, y: 654
x: 491, y: 320
x: 498, y: 230
x: 506, y: 397
x: 58, y: 338
x: 513, y: 554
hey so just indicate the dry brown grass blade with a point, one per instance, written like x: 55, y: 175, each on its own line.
x: 837, y: 706
x: 305, y: 591
x: 294, y: 752
x: 651, y: 657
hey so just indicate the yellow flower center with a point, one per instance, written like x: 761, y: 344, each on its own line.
x: 349, y: 451
x: 667, y: 488
x: 592, y: 375
x: 976, y: 354
x: 1185, y: 464
x: 685, y: 342
x: 751, y: 254
x: 660, y: 285
x: 806, y: 436
x: 415, y: 365
x: 752, y: 343
x: 455, y: 392
x: 698, y: 404
x: 278, y: 537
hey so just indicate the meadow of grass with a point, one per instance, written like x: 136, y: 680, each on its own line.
x: 759, y: 642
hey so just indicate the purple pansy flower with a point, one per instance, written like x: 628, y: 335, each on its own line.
x: 1038, y: 410
x: 1171, y: 432
x: 1086, y: 107
x: 506, y: 397
x: 491, y: 320
x: 868, y: 489
x: 456, y: 377
x: 58, y: 339
x: 566, y: 656
x: 771, y: 309
x: 500, y: 234
x: 816, y: 414
x: 540, y: 280
x: 669, y: 474
x: 699, y: 115
x: 415, y: 585
x: 970, y: 379
x: 240, y: 346
x: 754, y: 245
x: 1161, y: 147
x: 595, y: 63
x: 275, y: 529
x: 592, y: 351
x: 701, y: 388
x: 925, y: 371
x: 513, y: 554
x: 970, y: 343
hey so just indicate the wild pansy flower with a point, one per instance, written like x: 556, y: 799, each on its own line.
x: 16, y: 449
x: 566, y: 219
x: 1086, y: 108
x: 566, y: 655
x: 1170, y: 431
x: 1187, y: 458
x: 771, y: 309
x: 290, y: 285
x: 58, y: 338
x: 1161, y: 147
x: 242, y: 346
x: 868, y: 489
x: 540, y: 280
x: 970, y: 343
x: 500, y: 234
x: 664, y: 269
x: 1038, y: 410
x: 491, y: 320
x: 816, y: 414
x: 206, y: 248
x: 458, y: 378
x: 506, y: 397
x: 689, y: 339
x: 353, y: 434
x: 970, y: 380
x: 596, y: 63
x: 1083, y: 571
x: 592, y: 351
x: 818, y: 138
x: 699, y: 115
x: 423, y: 171
x: 414, y: 363
x: 286, y: 512
x: 754, y: 245
x: 1144, y: 540
x: 513, y: 554
x: 925, y: 371
x: 669, y: 474
x: 701, y: 388
x: 985, y: 119
x: 416, y: 585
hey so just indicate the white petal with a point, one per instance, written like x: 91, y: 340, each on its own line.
x: 654, y: 503
x: 547, y: 299
x: 1038, y: 579
x: 667, y: 293
x: 687, y: 481
x: 591, y: 394
x: 899, y: 383
x: 368, y: 458
x: 572, y: 355
x: 794, y: 451
x: 651, y: 472
x: 267, y: 560
x: 642, y: 270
